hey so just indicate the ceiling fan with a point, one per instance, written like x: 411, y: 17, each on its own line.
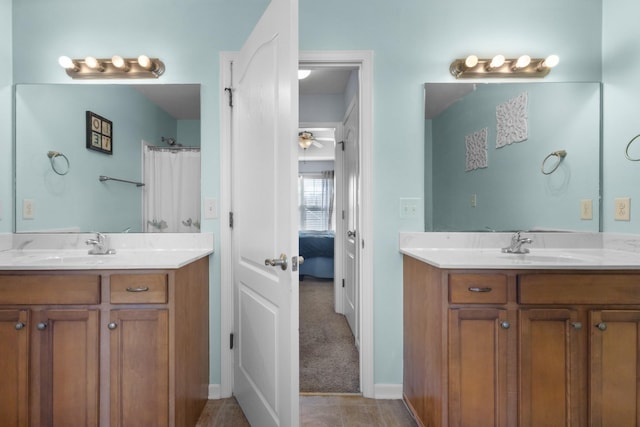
x: 306, y: 139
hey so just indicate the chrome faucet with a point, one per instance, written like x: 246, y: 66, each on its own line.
x: 516, y: 244
x: 99, y: 245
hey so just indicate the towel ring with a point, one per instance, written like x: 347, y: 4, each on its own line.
x: 560, y: 154
x: 626, y: 151
x: 52, y: 155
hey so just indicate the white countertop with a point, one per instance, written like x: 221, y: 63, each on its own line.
x: 80, y: 260
x: 134, y: 251
x: 574, y: 251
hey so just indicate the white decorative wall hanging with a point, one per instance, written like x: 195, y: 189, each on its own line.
x: 512, y: 121
x: 476, y: 149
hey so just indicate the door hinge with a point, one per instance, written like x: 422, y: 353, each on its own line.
x: 230, y: 219
x: 231, y: 341
x: 341, y: 145
x: 362, y: 243
x: 343, y: 283
x: 230, y: 92
x: 343, y: 214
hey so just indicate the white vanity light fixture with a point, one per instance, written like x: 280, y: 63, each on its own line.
x: 501, y: 67
x: 116, y: 67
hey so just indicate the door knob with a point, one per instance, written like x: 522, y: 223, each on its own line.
x: 41, y: 326
x: 351, y: 233
x: 282, y: 262
x: 112, y: 325
x: 19, y: 326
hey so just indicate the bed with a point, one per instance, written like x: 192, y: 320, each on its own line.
x: 317, y: 249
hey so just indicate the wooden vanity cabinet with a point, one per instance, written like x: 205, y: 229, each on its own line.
x: 14, y: 366
x: 110, y: 348
x: 521, y: 347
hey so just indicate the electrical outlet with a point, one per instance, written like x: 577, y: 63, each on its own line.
x: 27, y: 209
x: 474, y: 200
x: 586, y: 209
x: 622, y: 209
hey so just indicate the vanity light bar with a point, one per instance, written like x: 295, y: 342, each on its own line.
x: 115, y: 67
x: 524, y: 66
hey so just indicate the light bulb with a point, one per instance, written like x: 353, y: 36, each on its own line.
x: 145, y: 62
x: 303, y: 74
x: 119, y: 62
x: 92, y: 62
x: 523, y: 61
x: 66, y: 62
x: 471, y: 61
x: 497, y: 61
x: 551, y: 61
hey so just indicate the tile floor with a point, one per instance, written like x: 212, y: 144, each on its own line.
x: 319, y: 411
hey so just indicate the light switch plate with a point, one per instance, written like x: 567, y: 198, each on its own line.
x: 210, y: 208
x: 409, y: 207
x: 622, y: 209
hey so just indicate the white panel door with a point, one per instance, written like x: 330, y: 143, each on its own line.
x: 264, y: 204
x: 351, y: 238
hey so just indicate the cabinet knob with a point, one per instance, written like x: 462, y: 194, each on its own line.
x: 41, y: 326
x: 112, y: 325
x: 505, y: 325
x: 576, y: 325
x: 19, y: 326
x: 602, y: 326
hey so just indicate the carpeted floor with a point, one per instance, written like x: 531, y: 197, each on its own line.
x: 329, y: 361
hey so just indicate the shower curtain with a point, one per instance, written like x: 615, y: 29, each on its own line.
x: 172, y: 190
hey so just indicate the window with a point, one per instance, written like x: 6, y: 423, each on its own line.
x: 315, y: 201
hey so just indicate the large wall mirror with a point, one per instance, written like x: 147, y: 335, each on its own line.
x: 485, y: 148
x: 146, y: 137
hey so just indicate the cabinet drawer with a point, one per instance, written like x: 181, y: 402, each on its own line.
x: 139, y: 288
x: 50, y: 289
x: 579, y: 289
x: 478, y: 288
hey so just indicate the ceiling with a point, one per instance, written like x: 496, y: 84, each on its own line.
x: 325, y: 81
x: 439, y: 96
x: 180, y: 101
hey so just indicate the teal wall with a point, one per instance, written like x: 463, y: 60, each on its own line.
x: 413, y: 42
x: 6, y: 118
x: 511, y: 192
x: 188, y: 133
x: 52, y: 117
x: 621, y: 62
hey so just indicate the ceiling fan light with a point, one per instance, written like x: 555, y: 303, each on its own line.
x: 303, y: 74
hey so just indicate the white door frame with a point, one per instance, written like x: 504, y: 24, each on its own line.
x: 332, y: 59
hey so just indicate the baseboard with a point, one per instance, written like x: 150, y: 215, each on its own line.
x: 214, y: 392
x: 381, y: 391
x: 387, y: 391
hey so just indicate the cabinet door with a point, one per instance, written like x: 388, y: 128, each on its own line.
x: 614, y: 367
x: 478, y: 366
x: 139, y: 368
x: 549, y: 371
x: 64, y: 368
x: 14, y: 365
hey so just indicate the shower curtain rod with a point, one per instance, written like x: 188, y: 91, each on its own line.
x: 156, y: 148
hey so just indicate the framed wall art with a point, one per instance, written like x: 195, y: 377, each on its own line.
x: 99, y: 133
